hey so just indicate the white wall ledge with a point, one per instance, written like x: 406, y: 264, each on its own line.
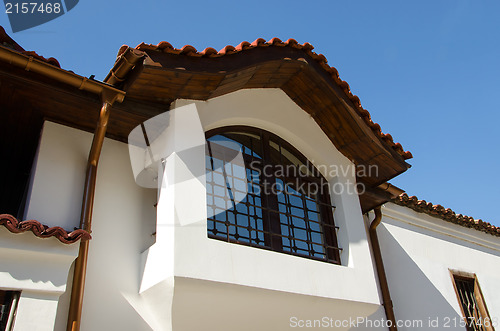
x: 439, y: 226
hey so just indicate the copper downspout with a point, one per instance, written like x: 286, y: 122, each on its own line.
x: 121, y: 68
x: 77, y: 290
x: 377, y: 255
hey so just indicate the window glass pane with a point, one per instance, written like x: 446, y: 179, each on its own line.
x: 236, y: 180
x: 275, y: 198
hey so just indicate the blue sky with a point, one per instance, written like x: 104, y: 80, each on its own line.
x: 428, y: 71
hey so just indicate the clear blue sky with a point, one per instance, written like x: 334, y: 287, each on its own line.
x: 428, y: 71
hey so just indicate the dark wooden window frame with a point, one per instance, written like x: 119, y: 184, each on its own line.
x: 273, y: 239
x: 486, y: 322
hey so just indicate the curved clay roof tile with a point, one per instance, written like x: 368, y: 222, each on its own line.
x: 165, y: 45
x: 43, y: 231
x: 189, y: 50
x: 307, y: 47
x: 446, y: 214
x: 227, y: 50
x: 276, y: 41
x: 292, y: 42
x: 259, y: 42
x: 209, y: 51
x: 243, y: 45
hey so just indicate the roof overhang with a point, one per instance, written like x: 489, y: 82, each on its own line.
x: 167, y: 74
x: 62, y: 96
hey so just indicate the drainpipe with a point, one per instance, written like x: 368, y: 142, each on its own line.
x: 377, y: 255
x: 77, y: 290
x: 122, y: 66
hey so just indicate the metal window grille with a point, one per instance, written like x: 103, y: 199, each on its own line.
x: 474, y: 310
x: 277, y: 211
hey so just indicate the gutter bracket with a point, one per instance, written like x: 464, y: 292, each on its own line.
x: 110, y: 97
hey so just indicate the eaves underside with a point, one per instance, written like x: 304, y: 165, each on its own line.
x: 168, y: 74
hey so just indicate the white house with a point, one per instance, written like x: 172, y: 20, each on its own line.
x: 245, y: 189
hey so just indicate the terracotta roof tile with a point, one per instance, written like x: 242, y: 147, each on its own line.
x: 43, y: 231
x: 7, y: 41
x: 243, y: 45
x: 189, y: 50
x: 208, y: 51
x: 446, y: 214
x: 50, y: 60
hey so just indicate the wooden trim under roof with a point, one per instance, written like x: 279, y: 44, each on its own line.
x: 167, y: 74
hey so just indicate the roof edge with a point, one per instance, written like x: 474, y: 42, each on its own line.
x: 43, y: 231
x: 8, y: 42
x: 209, y: 52
x: 446, y: 214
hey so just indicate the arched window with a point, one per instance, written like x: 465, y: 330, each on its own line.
x: 262, y: 192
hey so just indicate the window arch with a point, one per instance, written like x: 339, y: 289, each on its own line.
x: 262, y: 192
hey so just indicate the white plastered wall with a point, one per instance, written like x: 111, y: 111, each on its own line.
x: 58, y: 176
x: 274, y: 111
x: 122, y: 228
x: 185, y: 251
x: 38, y: 268
x: 419, y: 251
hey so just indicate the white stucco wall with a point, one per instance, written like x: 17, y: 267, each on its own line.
x: 123, y: 224
x: 122, y: 227
x: 185, y: 252
x: 272, y: 110
x: 419, y: 250
x: 38, y: 268
x: 58, y: 176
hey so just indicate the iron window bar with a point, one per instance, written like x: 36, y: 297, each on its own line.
x: 475, y: 313
x: 303, y: 227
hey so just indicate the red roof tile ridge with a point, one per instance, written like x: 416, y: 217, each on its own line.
x: 43, y: 231
x: 306, y: 47
x: 7, y: 41
x: 446, y: 214
x: 50, y: 60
